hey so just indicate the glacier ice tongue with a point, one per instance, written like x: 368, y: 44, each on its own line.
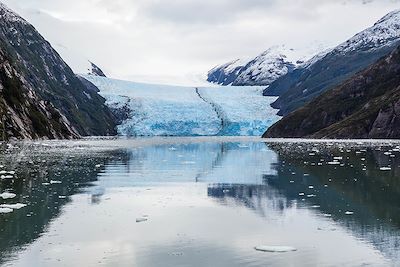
x: 165, y: 110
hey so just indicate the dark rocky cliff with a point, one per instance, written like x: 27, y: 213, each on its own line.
x: 365, y: 106
x: 40, y: 96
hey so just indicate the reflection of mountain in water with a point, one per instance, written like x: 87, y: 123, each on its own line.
x: 332, y: 190
x: 263, y: 199
x: 39, y: 170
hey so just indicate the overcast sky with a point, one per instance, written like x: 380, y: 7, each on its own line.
x: 175, y: 40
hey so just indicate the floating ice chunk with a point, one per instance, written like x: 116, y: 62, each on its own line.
x: 13, y: 206
x: 139, y: 220
x: 385, y: 168
x: 98, y: 166
x: 275, y: 248
x: 5, y: 210
x: 334, y: 163
x: 7, y: 195
x: 338, y: 158
x: 188, y: 162
x: 301, y: 194
x: 6, y: 177
x: 55, y: 182
x: 327, y: 215
x: 62, y: 197
x: 3, y: 172
x: 311, y: 187
x: 45, y: 184
x: 349, y: 213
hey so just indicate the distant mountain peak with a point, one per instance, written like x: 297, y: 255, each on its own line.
x: 95, y: 70
x: 261, y: 70
x: 332, y: 67
x: 385, y: 31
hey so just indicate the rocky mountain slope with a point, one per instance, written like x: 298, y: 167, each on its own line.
x: 40, y: 96
x: 262, y: 70
x: 307, y: 82
x: 365, y: 106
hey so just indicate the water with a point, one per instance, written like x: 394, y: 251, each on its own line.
x: 201, y: 202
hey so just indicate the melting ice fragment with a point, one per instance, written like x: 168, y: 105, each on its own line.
x: 5, y: 210
x: 275, y: 248
x: 385, y: 168
x: 13, y: 206
x: 7, y: 195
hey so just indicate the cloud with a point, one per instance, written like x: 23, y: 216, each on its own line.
x: 131, y: 38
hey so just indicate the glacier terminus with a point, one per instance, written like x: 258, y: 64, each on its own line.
x: 165, y: 110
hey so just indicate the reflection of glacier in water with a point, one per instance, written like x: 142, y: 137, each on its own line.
x: 231, y: 163
x: 219, y: 198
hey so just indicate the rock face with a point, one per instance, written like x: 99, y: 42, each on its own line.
x: 96, y: 70
x: 365, y: 106
x: 262, y: 70
x: 324, y: 72
x: 40, y: 96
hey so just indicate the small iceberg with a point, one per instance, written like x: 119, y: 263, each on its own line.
x: 349, y: 213
x: 55, y: 182
x: 275, y: 248
x: 385, y: 168
x: 7, y: 195
x: 12, y: 206
x: 5, y: 210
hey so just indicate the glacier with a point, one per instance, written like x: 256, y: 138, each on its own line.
x: 166, y: 110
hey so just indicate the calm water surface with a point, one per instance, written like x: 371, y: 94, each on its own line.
x: 201, y: 202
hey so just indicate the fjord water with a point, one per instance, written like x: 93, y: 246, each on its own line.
x: 201, y: 202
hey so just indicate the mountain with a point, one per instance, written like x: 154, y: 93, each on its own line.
x: 365, y: 106
x: 329, y: 70
x: 40, y: 96
x: 95, y: 70
x: 262, y: 70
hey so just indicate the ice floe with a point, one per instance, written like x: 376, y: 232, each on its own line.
x: 5, y: 210
x: 7, y: 195
x: 16, y: 206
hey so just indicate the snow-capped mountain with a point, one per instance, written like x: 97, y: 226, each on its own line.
x: 332, y: 68
x: 384, y: 32
x: 262, y: 70
x: 165, y: 110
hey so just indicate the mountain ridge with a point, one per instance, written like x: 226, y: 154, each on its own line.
x: 366, y: 47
